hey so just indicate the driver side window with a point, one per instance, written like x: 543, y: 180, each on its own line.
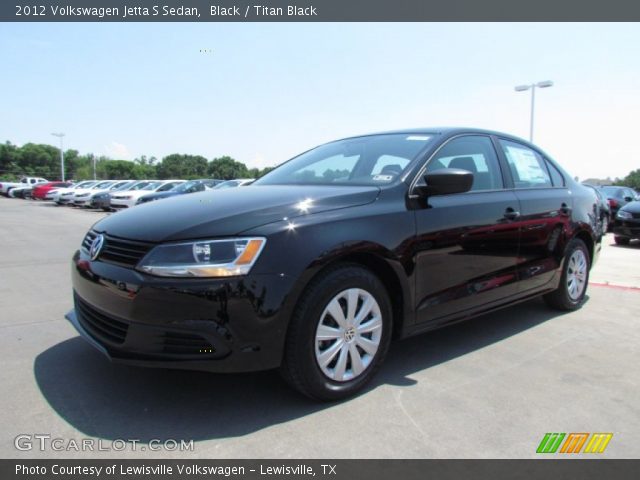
x: 474, y: 153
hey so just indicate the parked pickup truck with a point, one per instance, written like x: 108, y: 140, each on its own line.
x: 5, y: 187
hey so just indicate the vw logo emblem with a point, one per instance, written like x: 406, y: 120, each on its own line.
x: 96, y: 247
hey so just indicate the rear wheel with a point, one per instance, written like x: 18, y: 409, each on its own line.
x: 571, y: 292
x: 621, y: 240
x: 339, y: 334
x: 605, y: 225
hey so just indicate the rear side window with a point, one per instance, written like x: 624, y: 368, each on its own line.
x: 474, y: 153
x: 556, y: 176
x: 528, y: 169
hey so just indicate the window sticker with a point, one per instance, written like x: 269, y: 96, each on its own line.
x: 382, y: 178
x: 527, y: 164
x: 419, y: 138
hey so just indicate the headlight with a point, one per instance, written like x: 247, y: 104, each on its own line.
x: 205, y: 258
x: 622, y: 215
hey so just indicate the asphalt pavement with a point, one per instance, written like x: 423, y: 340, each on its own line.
x: 487, y: 388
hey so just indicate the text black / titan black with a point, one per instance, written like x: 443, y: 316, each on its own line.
x: 315, y: 267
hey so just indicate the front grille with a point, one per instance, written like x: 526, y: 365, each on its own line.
x: 635, y: 215
x: 88, y: 240
x: 100, y: 326
x: 118, y: 250
x: 175, y: 343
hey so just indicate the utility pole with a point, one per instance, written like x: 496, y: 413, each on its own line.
x: 61, y: 135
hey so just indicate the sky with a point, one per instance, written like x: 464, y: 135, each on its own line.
x: 262, y: 93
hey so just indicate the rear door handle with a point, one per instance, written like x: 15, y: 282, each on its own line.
x: 565, y: 209
x: 511, y: 214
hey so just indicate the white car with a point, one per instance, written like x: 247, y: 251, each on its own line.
x: 89, y: 200
x: 56, y: 193
x: 19, y: 192
x: 81, y: 195
x: 128, y: 199
x: 5, y: 187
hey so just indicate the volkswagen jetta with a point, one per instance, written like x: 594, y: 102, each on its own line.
x: 315, y: 267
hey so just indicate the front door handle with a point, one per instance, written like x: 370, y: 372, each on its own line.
x: 511, y: 214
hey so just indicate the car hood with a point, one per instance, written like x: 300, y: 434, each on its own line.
x: 229, y: 212
x: 83, y: 190
x: 132, y: 193
x: 60, y: 190
x: 632, y: 207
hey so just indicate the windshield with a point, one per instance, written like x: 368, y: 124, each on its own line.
x: 189, y: 187
x: 84, y: 185
x: 102, y: 185
x: 227, y: 184
x: 372, y: 160
x: 121, y: 185
x: 139, y: 186
x: 151, y: 186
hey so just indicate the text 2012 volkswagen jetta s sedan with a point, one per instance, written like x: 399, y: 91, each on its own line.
x: 318, y: 264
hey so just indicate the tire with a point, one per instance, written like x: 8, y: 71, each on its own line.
x: 338, y: 366
x: 621, y: 240
x: 571, y: 292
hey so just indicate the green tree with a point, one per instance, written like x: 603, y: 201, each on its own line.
x: 39, y: 160
x: 226, y: 168
x: 9, y: 161
x: 119, y: 169
x: 145, y: 167
x: 182, y: 166
x: 632, y: 180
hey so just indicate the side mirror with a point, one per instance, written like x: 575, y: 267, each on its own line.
x: 445, y: 181
x: 628, y: 199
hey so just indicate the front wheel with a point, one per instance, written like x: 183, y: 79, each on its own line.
x: 621, y: 240
x: 571, y: 292
x: 339, y: 334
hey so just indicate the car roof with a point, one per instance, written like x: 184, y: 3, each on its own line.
x: 448, y: 131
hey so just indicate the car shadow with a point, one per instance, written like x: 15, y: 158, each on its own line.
x: 111, y: 401
x: 633, y: 244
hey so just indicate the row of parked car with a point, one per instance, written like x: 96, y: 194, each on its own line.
x: 112, y: 194
x: 619, y: 211
x: 619, y: 205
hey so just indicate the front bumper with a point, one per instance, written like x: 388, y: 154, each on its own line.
x: 100, y: 202
x: 220, y: 325
x: 627, y: 228
x: 82, y: 202
x: 121, y: 203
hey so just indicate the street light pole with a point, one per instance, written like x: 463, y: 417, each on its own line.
x: 532, y: 87
x: 60, y: 135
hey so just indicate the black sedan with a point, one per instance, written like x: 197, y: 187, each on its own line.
x: 191, y: 186
x: 103, y: 199
x: 627, y: 224
x: 315, y: 267
x: 603, y: 212
x: 618, y: 197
